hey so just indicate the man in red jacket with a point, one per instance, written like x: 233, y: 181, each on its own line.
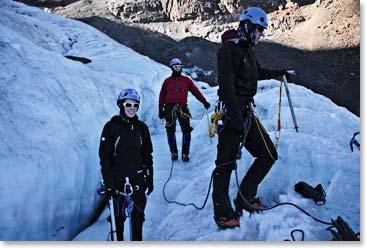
x: 173, y: 106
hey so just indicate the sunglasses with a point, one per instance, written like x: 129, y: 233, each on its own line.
x: 177, y: 66
x: 129, y: 105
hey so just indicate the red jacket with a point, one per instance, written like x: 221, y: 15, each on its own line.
x: 175, y: 90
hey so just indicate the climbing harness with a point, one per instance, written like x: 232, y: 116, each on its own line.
x: 173, y: 115
x: 126, y: 208
x: 290, y: 103
x: 177, y: 109
x: 181, y: 112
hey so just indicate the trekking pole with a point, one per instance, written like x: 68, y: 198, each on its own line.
x: 207, y: 118
x: 290, y: 100
x: 277, y: 133
x: 129, y: 208
x: 113, y: 222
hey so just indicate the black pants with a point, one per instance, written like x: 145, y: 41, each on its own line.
x: 172, y: 112
x: 137, y: 214
x: 228, y: 143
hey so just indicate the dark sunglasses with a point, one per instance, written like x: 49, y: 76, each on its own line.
x: 177, y: 66
x: 129, y: 105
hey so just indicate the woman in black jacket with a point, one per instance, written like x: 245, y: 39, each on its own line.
x: 125, y: 153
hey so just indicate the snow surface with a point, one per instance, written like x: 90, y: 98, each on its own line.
x: 53, y: 110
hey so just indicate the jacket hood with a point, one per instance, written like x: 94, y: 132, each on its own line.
x: 230, y: 36
x: 233, y: 36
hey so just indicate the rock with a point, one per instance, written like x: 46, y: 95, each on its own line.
x: 138, y: 11
x: 48, y: 3
x: 302, y: 36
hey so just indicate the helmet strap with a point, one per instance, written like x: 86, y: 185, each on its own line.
x: 247, y: 30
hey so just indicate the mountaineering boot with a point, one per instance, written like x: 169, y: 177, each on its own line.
x: 227, y: 223
x: 224, y: 216
x: 254, y: 205
x: 186, y: 139
x: 171, y: 137
x: 237, y: 207
x: 174, y: 156
x: 185, y: 157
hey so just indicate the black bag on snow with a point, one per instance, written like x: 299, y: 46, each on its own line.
x: 317, y: 194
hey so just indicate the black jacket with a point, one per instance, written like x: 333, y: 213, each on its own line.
x: 125, y: 148
x: 238, y: 72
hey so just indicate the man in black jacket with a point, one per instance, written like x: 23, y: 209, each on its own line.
x: 125, y: 153
x: 238, y: 72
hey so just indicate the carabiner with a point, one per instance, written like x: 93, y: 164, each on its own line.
x: 128, y: 186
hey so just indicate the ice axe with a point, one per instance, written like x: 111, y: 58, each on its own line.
x: 113, y: 221
x: 290, y: 72
x: 102, y: 191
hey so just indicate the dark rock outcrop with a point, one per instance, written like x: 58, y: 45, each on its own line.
x: 320, y: 39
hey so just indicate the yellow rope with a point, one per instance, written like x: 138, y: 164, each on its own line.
x: 173, y: 119
x: 262, y: 136
x: 179, y: 109
x: 213, y: 127
x: 216, y: 116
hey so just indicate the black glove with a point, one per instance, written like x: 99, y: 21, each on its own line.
x: 150, y: 186
x: 110, y: 192
x: 161, y: 114
x: 289, y: 73
x: 206, y: 105
x: 149, y: 179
